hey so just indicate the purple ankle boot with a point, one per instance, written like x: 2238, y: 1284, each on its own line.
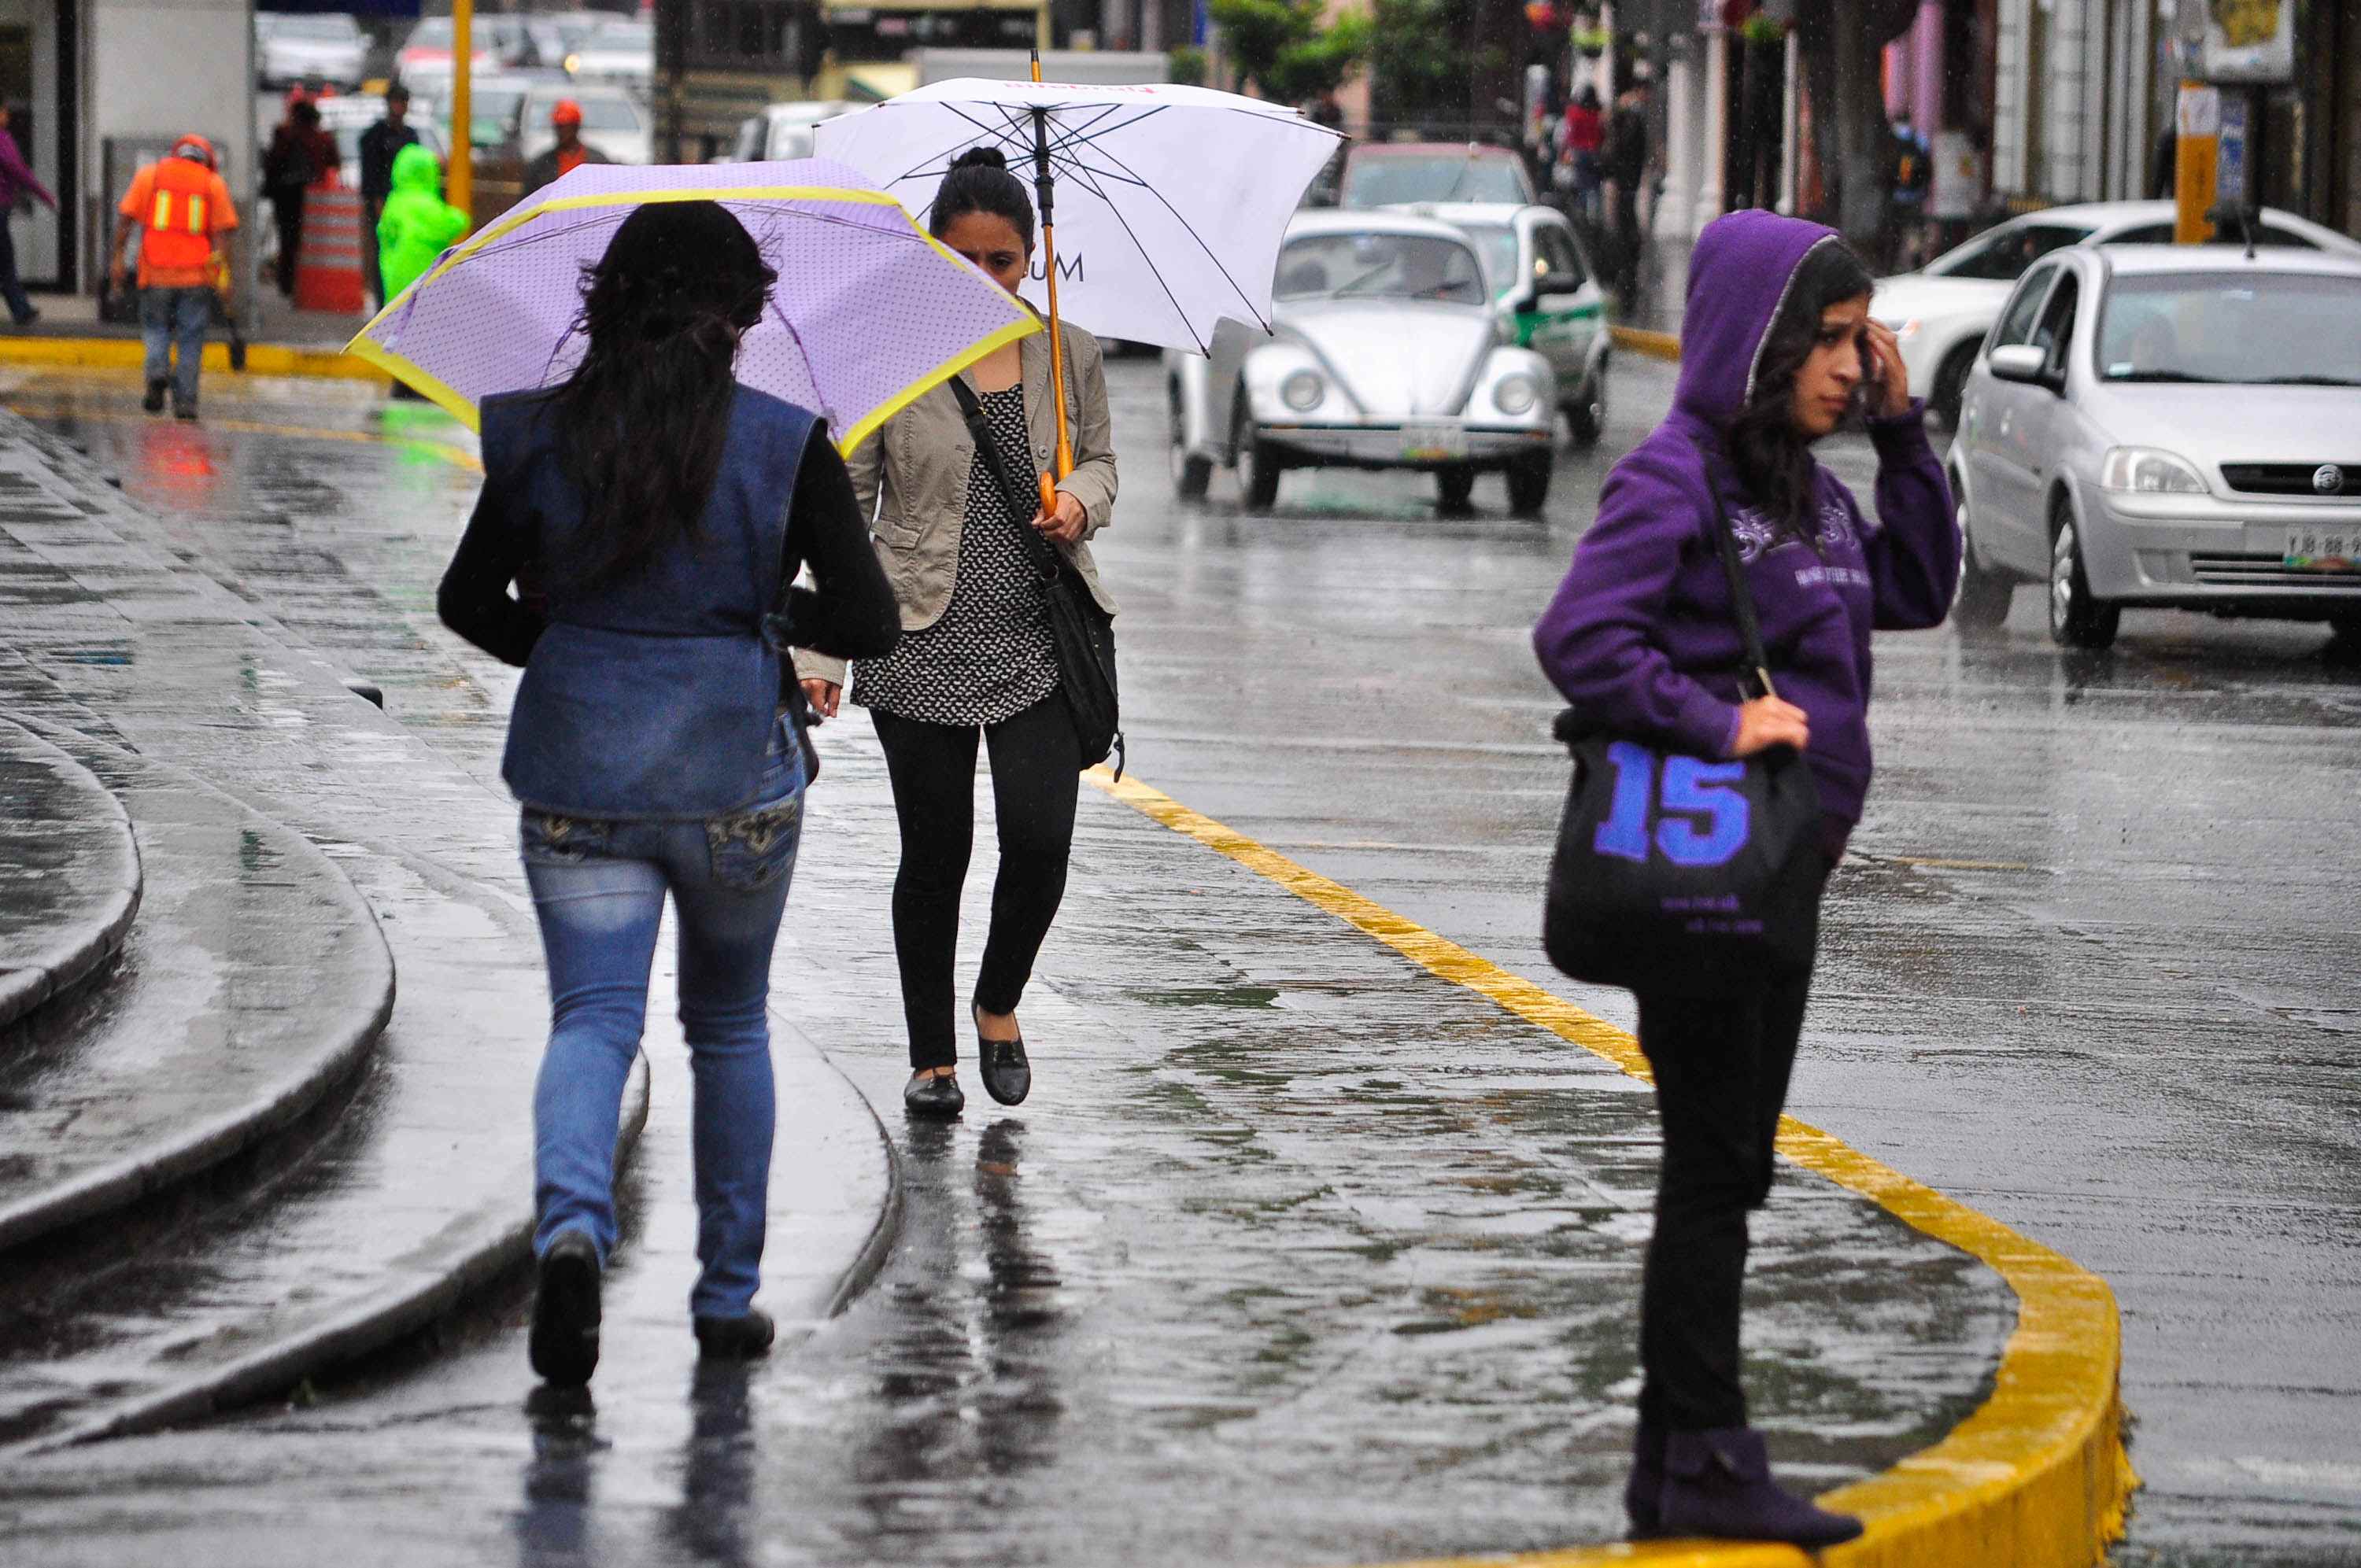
x: 1718, y: 1484
x: 1643, y: 1493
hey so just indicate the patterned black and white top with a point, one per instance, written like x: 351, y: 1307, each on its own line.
x: 990, y: 657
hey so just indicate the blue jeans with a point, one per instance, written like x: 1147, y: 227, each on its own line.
x: 599, y: 888
x: 169, y: 316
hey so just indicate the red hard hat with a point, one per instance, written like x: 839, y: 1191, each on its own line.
x: 566, y: 112
x: 195, y: 148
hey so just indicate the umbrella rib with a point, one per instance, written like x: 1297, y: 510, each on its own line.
x: 1190, y: 231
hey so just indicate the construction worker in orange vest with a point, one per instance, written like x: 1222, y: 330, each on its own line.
x: 186, y: 217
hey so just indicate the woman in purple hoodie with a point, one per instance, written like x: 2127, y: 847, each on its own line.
x: 1777, y: 350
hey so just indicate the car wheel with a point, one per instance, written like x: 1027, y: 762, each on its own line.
x: 1984, y: 594
x: 1192, y: 472
x: 1529, y: 483
x: 1588, y: 418
x: 1455, y: 486
x: 1258, y: 463
x: 2076, y: 620
x: 1951, y: 387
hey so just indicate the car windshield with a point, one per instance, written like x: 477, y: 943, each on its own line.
x: 623, y: 36
x: 492, y: 111
x: 601, y: 112
x: 329, y: 30
x: 1383, y: 180
x: 1379, y: 266
x: 1497, y: 242
x: 2251, y: 328
x: 2003, y: 256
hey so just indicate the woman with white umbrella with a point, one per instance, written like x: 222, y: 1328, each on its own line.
x: 976, y: 659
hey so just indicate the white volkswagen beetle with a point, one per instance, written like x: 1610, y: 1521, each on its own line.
x: 1385, y: 353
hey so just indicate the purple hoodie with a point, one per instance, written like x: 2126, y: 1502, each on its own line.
x: 1640, y: 637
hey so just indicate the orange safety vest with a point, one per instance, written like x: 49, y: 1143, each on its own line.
x: 179, y: 227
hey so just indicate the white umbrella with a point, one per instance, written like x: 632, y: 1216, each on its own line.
x: 1169, y: 201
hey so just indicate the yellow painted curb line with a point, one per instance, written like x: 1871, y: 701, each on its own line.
x: 1639, y: 340
x: 2036, y: 1478
x: 122, y: 353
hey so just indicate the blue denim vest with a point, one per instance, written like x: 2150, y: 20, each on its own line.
x: 653, y: 697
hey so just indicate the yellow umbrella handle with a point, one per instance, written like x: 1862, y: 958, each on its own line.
x: 1056, y: 334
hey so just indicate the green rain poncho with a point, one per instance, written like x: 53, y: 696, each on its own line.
x: 417, y: 222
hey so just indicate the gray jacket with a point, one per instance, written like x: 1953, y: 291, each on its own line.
x: 912, y: 475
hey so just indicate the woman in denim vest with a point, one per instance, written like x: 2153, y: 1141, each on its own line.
x: 650, y: 509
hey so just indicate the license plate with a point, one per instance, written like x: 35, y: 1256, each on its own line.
x: 1434, y: 442
x: 2323, y: 549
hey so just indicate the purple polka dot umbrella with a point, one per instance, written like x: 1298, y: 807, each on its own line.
x: 868, y: 314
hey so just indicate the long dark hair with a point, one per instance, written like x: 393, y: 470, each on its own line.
x: 980, y: 181
x: 641, y: 420
x: 1772, y: 458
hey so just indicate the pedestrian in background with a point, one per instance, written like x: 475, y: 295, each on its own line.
x: 976, y: 658
x: 1778, y: 350
x: 380, y: 144
x: 1624, y: 157
x: 569, y: 152
x: 300, y: 155
x: 652, y: 511
x: 1582, y: 139
x: 19, y: 188
x: 417, y: 223
x: 185, y: 218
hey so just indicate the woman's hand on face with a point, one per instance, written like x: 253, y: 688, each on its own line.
x: 1766, y: 722
x: 1065, y: 524
x: 1888, y: 391
x: 822, y: 695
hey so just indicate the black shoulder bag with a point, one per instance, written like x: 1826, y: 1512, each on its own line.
x: 1679, y: 870
x: 1082, y: 631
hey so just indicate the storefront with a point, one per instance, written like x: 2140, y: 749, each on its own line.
x: 81, y: 74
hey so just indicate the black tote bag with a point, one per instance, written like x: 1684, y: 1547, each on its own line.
x: 1680, y: 870
x: 1082, y: 631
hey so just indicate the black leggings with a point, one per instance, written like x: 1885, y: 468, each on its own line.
x: 1036, y: 776
x: 1721, y: 1060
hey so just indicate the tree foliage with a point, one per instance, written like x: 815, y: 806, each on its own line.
x: 1283, y: 47
x: 1419, y: 56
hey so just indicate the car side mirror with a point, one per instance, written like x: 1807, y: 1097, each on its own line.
x: 2022, y: 363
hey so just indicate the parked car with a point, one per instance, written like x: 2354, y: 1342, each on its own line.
x: 782, y: 131
x: 1385, y: 353
x: 1546, y: 291
x: 1942, y: 314
x: 1389, y: 174
x: 347, y: 115
x: 495, y: 109
x: 427, y: 50
x: 2164, y: 425
x: 303, y: 47
x: 618, y: 49
x: 612, y: 121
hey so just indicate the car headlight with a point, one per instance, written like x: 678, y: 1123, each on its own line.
x: 1302, y: 391
x: 2144, y: 470
x: 1516, y: 394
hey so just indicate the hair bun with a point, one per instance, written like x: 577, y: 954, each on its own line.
x: 981, y: 158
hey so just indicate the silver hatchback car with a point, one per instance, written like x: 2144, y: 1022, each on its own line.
x: 2167, y: 426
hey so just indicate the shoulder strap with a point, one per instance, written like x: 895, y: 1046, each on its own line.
x: 1741, y: 597
x: 1017, y: 497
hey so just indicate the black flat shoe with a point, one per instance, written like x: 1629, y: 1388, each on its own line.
x: 938, y: 1097
x: 736, y: 1338
x: 154, y: 401
x: 1007, y: 1075
x: 565, y: 1344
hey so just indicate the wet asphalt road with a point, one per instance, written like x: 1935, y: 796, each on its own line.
x: 2090, y: 970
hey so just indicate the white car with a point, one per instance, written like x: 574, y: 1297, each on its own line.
x: 2170, y: 426
x: 1548, y: 297
x: 612, y: 121
x: 782, y: 131
x: 619, y: 51
x: 1942, y: 314
x: 1385, y: 353
x: 295, y: 47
